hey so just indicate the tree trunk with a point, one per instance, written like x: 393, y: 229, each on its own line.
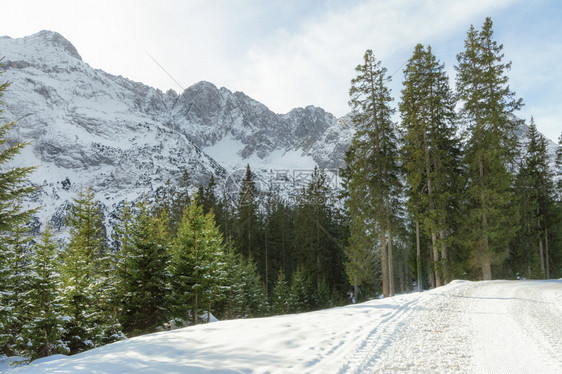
x: 541, y: 255
x: 431, y: 211
x: 355, y: 289
x: 195, y: 312
x: 435, y: 258
x: 547, y: 255
x: 390, y: 263
x: 486, y: 269
x: 444, y: 263
x: 418, y: 258
x: 430, y: 272
x: 266, y: 265
x: 485, y: 248
x: 384, y: 264
x: 401, y: 276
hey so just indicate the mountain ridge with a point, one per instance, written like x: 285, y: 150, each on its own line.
x: 125, y: 139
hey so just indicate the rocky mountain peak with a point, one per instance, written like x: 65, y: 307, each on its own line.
x: 56, y: 40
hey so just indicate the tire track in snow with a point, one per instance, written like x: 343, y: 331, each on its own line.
x: 423, y: 336
x: 379, y: 338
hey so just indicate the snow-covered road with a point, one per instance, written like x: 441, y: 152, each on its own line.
x: 464, y: 327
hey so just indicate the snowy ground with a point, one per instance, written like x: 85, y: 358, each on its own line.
x: 464, y: 327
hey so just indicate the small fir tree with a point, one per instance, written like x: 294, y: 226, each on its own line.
x: 196, y: 267
x: 43, y: 333
x: 281, y: 297
x: 145, y: 274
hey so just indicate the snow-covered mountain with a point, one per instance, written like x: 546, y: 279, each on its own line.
x: 123, y: 138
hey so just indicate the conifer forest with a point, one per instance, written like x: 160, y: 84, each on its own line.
x: 436, y: 186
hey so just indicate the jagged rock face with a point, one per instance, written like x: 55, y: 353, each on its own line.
x: 123, y: 138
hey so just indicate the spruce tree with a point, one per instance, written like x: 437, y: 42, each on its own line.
x: 317, y: 245
x: 281, y: 296
x: 234, y: 302
x: 123, y: 236
x: 14, y: 301
x: 145, y: 273
x: 558, y: 169
x: 256, y: 303
x: 430, y: 150
x: 196, y: 267
x: 248, y: 222
x: 84, y: 271
x: 43, y: 333
x: 373, y: 185
x: 536, y: 196
x: 487, y: 111
x: 208, y: 198
x: 300, y: 291
x: 278, y: 237
x: 13, y: 188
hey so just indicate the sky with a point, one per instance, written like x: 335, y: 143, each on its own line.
x: 294, y: 53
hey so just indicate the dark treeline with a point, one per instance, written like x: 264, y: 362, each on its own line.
x: 447, y: 192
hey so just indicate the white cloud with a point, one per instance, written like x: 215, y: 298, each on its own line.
x: 315, y: 65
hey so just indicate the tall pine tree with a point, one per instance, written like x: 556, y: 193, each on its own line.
x: 536, y: 197
x: 374, y: 185
x: 487, y: 111
x: 430, y: 150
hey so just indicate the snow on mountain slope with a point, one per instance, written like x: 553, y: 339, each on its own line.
x: 464, y: 327
x: 123, y: 138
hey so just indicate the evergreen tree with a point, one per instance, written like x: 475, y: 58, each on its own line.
x: 278, y: 237
x: 430, y: 150
x: 43, y: 332
x: 208, y: 197
x: 225, y: 216
x: 145, y: 273
x: 317, y: 245
x: 13, y: 188
x: 79, y: 273
x: 256, y: 304
x: 558, y: 167
x: 300, y: 291
x: 172, y: 201
x: 84, y: 271
x: 196, y: 267
x: 556, y: 247
x: 282, y: 298
x: 14, y: 301
x: 123, y: 236
x: 373, y: 185
x: 536, y: 197
x: 234, y: 302
x: 248, y: 223
x: 487, y: 111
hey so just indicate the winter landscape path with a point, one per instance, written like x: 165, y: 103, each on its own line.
x: 464, y: 327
